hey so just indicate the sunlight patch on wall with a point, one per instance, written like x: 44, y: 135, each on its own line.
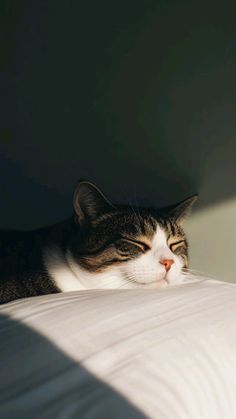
x: 212, y: 239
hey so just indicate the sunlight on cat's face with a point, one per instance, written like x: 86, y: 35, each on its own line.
x: 159, y: 265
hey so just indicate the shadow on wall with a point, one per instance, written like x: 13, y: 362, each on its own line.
x: 39, y: 381
x: 139, y: 99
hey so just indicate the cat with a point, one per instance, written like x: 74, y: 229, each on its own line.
x: 101, y: 246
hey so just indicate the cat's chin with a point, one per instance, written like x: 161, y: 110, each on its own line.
x: 158, y: 284
x: 162, y: 283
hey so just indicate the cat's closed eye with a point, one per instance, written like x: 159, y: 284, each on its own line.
x: 127, y: 246
x: 177, y: 245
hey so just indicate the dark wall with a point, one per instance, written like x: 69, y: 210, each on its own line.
x: 138, y: 96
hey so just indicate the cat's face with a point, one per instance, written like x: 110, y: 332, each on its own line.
x: 133, y: 247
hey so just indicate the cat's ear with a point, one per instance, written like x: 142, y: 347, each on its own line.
x: 182, y: 210
x: 89, y: 203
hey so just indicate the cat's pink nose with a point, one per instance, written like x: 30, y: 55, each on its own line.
x: 167, y: 263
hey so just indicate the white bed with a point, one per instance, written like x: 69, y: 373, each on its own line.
x: 168, y: 354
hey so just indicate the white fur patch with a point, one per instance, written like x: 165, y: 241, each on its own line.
x: 69, y: 276
x: 59, y: 270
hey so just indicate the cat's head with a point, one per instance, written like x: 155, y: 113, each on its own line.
x: 122, y: 246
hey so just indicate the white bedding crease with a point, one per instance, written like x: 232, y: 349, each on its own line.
x: 107, y: 354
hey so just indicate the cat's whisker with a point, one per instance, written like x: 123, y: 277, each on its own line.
x: 137, y: 209
x: 129, y: 281
x: 197, y: 273
x: 132, y: 208
x: 137, y: 215
x: 144, y: 271
x: 130, y: 278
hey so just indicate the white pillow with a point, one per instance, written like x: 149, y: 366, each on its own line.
x: 164, y: 354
